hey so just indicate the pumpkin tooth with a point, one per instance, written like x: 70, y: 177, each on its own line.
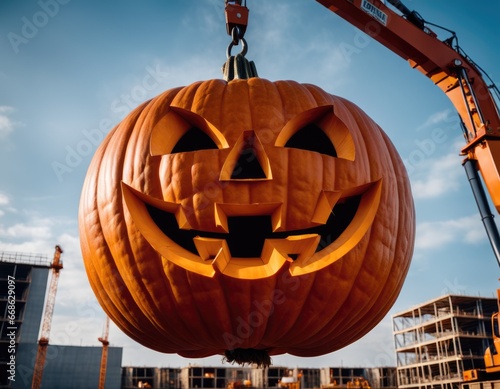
x: 303, y: 245
x: 209, y: 248
x: 324, y: 206
x: 222, y: 211
x: 166, y: 206
x: 182, y: 219
x: 275, y: 253
x: 351, y: 235
x: 267, y: 265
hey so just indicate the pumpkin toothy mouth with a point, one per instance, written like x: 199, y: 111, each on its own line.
x: 252, y: 246
x: 247, y: 234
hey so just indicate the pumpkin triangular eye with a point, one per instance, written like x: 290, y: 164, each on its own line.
x: 194, y: 139
x: 180, y: 130
x: 312, y: 138
x: 321, y: 130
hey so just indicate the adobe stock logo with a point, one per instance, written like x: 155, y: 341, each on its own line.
x: 152, y: 79
x: 31, y: 26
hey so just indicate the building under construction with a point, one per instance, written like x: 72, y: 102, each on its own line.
x: 74, y: 367
x: 26, y: 276
x: 278, y: 377
x: 436, y: 341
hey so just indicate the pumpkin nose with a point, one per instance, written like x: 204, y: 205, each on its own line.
x: 247, y: 160
x: 247, y: 166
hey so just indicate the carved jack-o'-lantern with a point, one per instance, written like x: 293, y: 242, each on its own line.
x: 249, y: 218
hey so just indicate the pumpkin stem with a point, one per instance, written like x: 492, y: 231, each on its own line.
x: 251, y: 356
x: 238, y: 67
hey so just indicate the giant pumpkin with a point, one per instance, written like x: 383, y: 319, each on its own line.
x: 247, y: 218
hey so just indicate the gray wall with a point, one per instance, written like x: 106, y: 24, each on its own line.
x: 72, y: 367
x: 34, y: 305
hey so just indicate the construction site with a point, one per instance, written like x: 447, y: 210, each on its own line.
x: 245, y: 219
x: 38, y: 364
x: 435, y: 343
x: 41, y: 364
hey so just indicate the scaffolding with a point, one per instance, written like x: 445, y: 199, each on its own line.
x: 37, y: 260
x: 436, y: 341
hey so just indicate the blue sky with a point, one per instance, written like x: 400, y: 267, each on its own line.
x: 71, y: 69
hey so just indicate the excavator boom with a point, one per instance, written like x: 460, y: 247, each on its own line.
x: 450, y: 69
x: 407, y: 35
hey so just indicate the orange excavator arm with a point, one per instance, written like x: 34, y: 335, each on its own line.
x: 407, y: 34
x: 448, y: 68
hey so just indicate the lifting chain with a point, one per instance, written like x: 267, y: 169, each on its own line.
x: 237, y: 38
x: 237, y: 66
x: 236, y: 23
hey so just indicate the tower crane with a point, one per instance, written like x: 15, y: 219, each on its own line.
x: 43, y: 342
x: 104, y: 355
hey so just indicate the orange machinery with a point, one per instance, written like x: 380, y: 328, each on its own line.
x: 407, y: 34
x: 104, y: 355
x: 43, y: 342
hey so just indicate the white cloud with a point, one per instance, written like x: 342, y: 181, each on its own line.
x: 5, y: 205
x: 37, y: 229
x: 4, y: 200
x: 436, y: 118
x: 439, y: 176
x: 208, y: 17
x: 27, y: 231
x: 6, y: 124
x: 433, y: 235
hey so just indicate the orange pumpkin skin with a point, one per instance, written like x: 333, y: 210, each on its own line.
x: 200, y: 304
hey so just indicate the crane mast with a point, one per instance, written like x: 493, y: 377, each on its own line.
x: 104, y: 355
x: 43, y: 342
